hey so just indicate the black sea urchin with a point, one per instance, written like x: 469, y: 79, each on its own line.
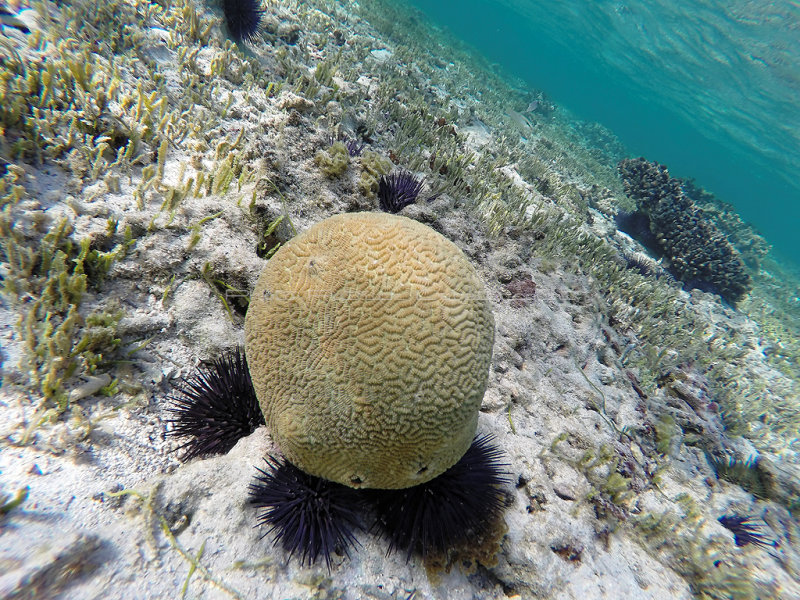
x: 215, y: 407
x: 397, y: 191
x: 744, y: 473
x: 433, y: 517
x: 745, y: 531
x: 309, y: 515
x: 243, y: 18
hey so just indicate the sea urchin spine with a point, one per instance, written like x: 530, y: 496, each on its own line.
x: 215, y: 408
x: 443, y: 513
x: 745, y: 531
x: 397, y: 191
x: 309, y: 515
x: 243, y: 18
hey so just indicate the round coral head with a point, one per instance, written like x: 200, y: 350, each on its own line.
x: 369, y: 339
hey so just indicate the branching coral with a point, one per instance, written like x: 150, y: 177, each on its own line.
x: 699, y: 254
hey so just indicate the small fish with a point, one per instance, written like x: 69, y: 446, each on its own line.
x: 520, y: 120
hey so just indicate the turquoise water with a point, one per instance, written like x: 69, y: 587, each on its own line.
x: 709, y: 88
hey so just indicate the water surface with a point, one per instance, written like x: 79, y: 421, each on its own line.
x: 708, y: 87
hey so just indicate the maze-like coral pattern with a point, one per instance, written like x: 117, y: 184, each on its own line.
x: 369, y: 339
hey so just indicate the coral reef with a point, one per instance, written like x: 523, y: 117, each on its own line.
x: 180, y: 160
x: 698, y: 253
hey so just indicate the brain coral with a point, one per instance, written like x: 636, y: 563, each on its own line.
x: 369, y: 339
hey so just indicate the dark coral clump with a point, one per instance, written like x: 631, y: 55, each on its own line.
x: 397, y: 191
x: 647, y: 182
x: 215, y: 408
x: 699, y: 254
x: 243, y: 18
x: 445, y: 512
x: 309, y: 516
x: 745, y: 531
x: 748, y: 242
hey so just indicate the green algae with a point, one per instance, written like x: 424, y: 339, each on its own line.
x: 47, y: 280
x: 333, y: 161
x: 373, y: 166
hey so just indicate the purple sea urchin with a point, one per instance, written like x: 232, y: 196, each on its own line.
x: 438, y: 515
x: 243, y: 18
x: 354, y: 147
x: 215, y: 407
x: 397, y: 191
x: 745, y: 473
x: 309, y: 515
x: 745, y: 531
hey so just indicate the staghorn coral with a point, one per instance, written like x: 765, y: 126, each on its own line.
x: 699, y: 254
x: 369, y: 339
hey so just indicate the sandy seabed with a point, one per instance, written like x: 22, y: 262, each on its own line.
x: 612, y: 494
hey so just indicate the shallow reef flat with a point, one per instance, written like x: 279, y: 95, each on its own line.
x: 150, y: 165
